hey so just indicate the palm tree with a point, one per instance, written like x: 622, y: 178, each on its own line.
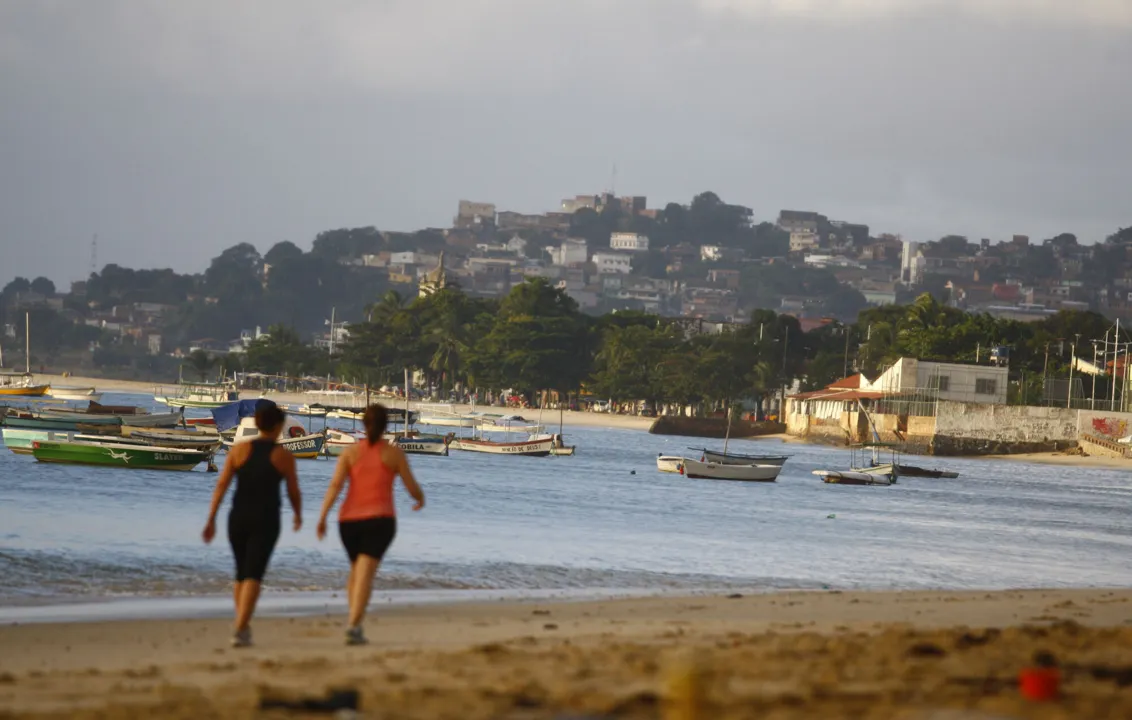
x: 450, y: 338
x: 201, y: 362
x: 390, y: 305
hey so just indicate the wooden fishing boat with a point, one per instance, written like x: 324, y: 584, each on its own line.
x: 861, y: 470
x: 423, y: 444
x: 731, y: 458
x: 134, y: 457
x: 718, y: 471
x: 200, y: 395
x: 20, y: 440
x: 854, y: 477
x: 533, y: 448
x: 75, y: 393
x: 304, y: 445
x: 669, y: 463
x: 20, y: 385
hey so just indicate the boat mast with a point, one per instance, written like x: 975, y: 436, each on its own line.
x: 727, y: 435
x: 406, y: 433
x: 27, y: 342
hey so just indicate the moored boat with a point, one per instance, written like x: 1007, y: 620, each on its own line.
x: 75, y: 393
x: 200, y: 395
x: 669, y: 463
x: 136, y: 457
x: 854, y: 477
x: 304, y: 445
x: 533, y: 448
x: 423, y: 445
x: 729, y: 458
x: 717, y: 471
x: 861, y: 472
x: 20, y: 385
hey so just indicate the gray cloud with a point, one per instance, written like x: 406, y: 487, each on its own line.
x: 176, y: 129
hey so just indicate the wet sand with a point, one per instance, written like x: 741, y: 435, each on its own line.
x: 786, y: 655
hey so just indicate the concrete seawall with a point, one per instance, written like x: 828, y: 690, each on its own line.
x: 713, y: 427
x: 969, y: 429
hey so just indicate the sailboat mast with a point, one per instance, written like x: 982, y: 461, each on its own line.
x: 406, y: 402
x: 727, y: 435
x: 27, y: 342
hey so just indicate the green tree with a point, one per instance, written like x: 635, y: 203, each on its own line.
x: 201, y: 363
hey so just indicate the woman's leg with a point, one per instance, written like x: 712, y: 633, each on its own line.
x: 362, y: 573
x: 245, y: 605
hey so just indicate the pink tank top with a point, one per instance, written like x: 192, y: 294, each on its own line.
x: 369, y: 493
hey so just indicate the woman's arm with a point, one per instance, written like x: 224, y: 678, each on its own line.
x: 284, y: 462
x: 221, y: 490
x: 409, y: 479
x: 341, y: 470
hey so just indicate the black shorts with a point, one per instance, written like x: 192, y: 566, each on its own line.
x: 253, y: 540
x: 371, y: 536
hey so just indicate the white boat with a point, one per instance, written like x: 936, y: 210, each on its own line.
x: 861, y: 470
x: 717, y: 471
x: 346, y: 414
x: 446, y: 416
x: 200, y: 395
x: 304, y: 410
x: 423, y: 445
x: 303, y: 445
x: 536, y: 448
x: 733, y: 469
x: 75, y: 393
x: 854, y: 477
x: 337, y: 441
x: 726, y: 458
x: 669, y: 463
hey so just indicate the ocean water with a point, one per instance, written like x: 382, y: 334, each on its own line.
x: 602, y: 520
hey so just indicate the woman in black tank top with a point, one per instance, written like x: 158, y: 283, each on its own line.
x: 259, y: 467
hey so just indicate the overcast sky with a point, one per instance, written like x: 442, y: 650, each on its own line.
x: 176, y: 129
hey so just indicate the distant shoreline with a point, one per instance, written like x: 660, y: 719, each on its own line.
x: 569, y: 418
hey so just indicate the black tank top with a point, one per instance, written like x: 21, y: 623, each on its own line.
x: 257, y: 484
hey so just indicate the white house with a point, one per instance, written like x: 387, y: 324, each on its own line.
x: 611, y: 262
x: 630, y: 242
x: 711, y: 253
x: 572, y: 251
x: 803, y: 240
x: 952, y: 381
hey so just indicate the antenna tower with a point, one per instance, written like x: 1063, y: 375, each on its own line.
x: 94, y: 254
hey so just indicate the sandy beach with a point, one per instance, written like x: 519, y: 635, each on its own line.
x: 785, y: 655
x: 577, y: 419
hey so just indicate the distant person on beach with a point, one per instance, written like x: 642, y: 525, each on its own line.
x: 259, y: 467
x: 367, y: 521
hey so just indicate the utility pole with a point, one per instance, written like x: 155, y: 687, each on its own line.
x: 1045, y: 366
x: 1115, y: 350
x: 1093, y: 392
x: 1072, y: 362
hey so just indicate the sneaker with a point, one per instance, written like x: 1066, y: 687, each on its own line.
x: 355, y: 636
x: 242, y: 638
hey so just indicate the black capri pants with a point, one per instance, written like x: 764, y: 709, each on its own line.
x: 371, y: 536
x: 252, y: 540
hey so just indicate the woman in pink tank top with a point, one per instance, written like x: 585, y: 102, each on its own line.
x: 367, y: 521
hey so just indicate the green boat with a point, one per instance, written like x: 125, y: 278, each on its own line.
x: 144, y: 457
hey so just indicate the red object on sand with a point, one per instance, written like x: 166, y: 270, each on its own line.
x: 199, y: 421
x: 1039, y: 684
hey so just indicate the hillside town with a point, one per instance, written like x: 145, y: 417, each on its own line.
x: 706, y: 262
